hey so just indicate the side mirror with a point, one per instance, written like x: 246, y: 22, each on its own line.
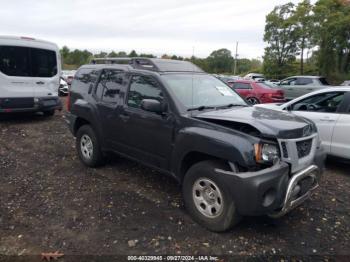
x: 152, y: 105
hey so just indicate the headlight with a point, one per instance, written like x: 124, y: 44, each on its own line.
x: 266, y: 153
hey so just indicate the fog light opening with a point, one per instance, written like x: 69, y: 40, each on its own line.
x: 269, y: 197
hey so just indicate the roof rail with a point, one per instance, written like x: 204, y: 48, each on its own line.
x: 151, y: 64
x: 111, y: 60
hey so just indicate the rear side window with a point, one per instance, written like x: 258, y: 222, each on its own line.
x: 84, y: 78
x: 143, y: 87
x: 323, y: 81
x: 27, y: 62
x: 241, y: 86
x: 110, y: 84
x: 304, y: 81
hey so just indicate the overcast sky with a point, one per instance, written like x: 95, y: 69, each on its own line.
x: 148, y: 26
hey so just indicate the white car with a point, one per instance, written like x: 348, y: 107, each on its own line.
x: 330, y: 110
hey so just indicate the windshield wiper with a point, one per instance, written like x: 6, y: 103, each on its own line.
x: 230, y: 105
x: 200, y: 108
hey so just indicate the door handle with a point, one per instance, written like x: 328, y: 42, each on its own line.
x: 124, y: 117
x: 40, y: 83
x: 310, y: 89
x: 327, y: 120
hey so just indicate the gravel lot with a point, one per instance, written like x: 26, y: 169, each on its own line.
x: 49, y: 201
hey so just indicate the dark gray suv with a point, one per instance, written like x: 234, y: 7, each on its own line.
x: 231, y: 159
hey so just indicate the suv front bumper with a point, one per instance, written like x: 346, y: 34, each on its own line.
x: 273, y: 191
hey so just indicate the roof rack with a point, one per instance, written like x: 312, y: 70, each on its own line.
x: 111, y: 60
x: 152, y: 64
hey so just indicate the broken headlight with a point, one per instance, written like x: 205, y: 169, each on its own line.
x: 266, y: 153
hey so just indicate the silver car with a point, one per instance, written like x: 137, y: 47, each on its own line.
x: 296, y: 86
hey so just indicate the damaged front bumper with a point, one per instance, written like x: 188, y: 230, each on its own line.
x: 273, y: 191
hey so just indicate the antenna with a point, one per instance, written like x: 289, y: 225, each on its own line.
x: 236, y: 56
x: 192, y: 100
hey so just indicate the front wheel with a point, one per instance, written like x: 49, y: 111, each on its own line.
x: 207, y: 198
x: 88, y: 147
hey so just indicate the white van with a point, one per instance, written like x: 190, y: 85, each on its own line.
x: 30, y: 71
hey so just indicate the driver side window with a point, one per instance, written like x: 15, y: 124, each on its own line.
x: 143, y: 87
x: 287, y: 82
x: 326, y: 102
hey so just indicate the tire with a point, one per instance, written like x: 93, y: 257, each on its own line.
x: 49, y: 113
x: 253, y: 100
x: 88, y: 147
x: 223, y: 217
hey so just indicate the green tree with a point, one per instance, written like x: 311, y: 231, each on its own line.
x: 281, y: 35
x: 304, y: 21
x: 133, y: 54
x: 332, y: 36
x: 220, y: 61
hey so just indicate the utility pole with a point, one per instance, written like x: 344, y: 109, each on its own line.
x: 236, y: 56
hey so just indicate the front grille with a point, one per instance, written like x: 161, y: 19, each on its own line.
x: 304, y: 147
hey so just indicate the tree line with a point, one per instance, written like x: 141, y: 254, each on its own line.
x: 219, y: 61
x: 308, y: 38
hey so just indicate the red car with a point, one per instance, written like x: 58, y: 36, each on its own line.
x: 258, y: 92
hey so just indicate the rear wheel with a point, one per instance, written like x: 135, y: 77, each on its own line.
x: 88, y: 147
x: 207, y: 198
x: 253, y: 100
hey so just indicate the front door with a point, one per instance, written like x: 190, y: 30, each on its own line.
x: 322, y: 109
x: 147, y: 136
x: 341, y: 134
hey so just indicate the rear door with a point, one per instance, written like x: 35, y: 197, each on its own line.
x: 112, y: 83
x: 28, y: 72
x: 288, y: 86
x: 304, y: 85
x: 322, y: 109
x: 341, y: 135
x: 44, y: 67
x: 15, y: 75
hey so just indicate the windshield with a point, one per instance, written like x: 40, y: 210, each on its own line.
x: 201, y: 90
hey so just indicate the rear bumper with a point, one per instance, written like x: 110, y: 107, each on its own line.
x: 30, y: 104
x: 273, y: 191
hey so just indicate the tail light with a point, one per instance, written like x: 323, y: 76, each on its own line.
x: 68, y: 102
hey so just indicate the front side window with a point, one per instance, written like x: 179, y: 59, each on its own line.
x: 326, y: 102
x: 27, y: 62
x: 289, y: 81
x: 194, y: 90
x: 143, y: 87
x: 111, y: 82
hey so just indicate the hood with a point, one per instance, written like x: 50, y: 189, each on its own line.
x: 275, y: 106
x: 269, y: 123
